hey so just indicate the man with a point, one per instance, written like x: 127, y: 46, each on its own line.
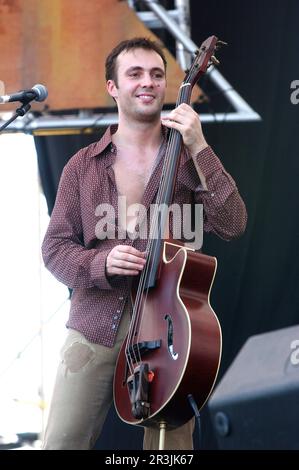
x: 126, y: 162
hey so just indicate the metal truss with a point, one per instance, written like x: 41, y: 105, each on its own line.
x: 177, y: 22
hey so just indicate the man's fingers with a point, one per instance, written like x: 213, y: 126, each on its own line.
x: 125, y: 260
x: 118, y: 263
x: 124, y: 272
x: 132, y: 258
x: 129, y: 249
x: 181, y: 114
x: 175, y: 125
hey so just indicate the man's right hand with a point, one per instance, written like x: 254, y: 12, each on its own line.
x: 124, y: 260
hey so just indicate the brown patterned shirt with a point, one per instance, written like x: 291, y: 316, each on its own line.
x: 76, y: 257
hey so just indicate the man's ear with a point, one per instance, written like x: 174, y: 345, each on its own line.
x: 111, y: 88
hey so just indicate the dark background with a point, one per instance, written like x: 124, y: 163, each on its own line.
x: 256, y: 286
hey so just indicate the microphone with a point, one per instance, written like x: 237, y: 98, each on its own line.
x: 37, y: 93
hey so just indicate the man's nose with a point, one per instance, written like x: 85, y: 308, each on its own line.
x: 147, y: 80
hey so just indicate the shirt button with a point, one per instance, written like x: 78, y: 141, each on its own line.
x: 120, y: 298
x: 113, y: 326
x: 117, y: 311
x: 115, y: 317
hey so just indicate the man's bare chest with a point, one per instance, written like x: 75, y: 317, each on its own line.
x: 131, y: 177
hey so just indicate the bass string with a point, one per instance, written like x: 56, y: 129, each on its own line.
x: 151, y: 249
x: 130, y: 349
x: 184, y: 97
x: 138, y: 310
x: 141, y: 294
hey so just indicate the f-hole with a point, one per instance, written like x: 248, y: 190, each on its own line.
x: 173, y: 354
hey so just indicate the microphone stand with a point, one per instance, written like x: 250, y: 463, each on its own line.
x: 19, y: 112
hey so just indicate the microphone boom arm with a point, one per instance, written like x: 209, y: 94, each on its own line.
x: 19, y: 112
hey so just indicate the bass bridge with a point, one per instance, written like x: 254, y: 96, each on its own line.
x: 139, y: 382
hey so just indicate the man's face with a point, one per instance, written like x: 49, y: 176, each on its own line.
x: 141, y: 84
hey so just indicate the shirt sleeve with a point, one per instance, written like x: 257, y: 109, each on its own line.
x: 62, y: 249
x: 224, y: 210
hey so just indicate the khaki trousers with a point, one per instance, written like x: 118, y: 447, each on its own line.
x: 83, y: 394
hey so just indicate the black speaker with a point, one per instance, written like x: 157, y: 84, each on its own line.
x: 256, y: 404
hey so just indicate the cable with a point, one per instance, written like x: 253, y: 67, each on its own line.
x: 197, y: 417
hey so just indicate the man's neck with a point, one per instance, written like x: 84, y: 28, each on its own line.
x: 138, y: 135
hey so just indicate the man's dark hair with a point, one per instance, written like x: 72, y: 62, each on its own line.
x: 128, y: 45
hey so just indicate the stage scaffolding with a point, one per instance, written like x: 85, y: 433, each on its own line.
x: 177, y: 22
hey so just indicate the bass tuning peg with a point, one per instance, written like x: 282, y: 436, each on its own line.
x: 220, y: 44
x: 214, y: 60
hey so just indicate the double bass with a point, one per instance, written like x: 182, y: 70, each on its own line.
x: 173, y: 348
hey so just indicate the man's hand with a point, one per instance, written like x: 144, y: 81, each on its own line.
x: 125, y: 261
x: 185, y: 120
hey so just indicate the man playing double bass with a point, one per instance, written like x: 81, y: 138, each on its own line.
x: 126, y: 162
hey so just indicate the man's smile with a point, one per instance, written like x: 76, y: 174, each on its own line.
x: 146, y: 97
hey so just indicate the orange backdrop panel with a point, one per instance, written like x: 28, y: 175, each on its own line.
x: 63, y: 45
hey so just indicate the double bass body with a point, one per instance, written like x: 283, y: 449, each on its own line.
x: 177, y: 312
